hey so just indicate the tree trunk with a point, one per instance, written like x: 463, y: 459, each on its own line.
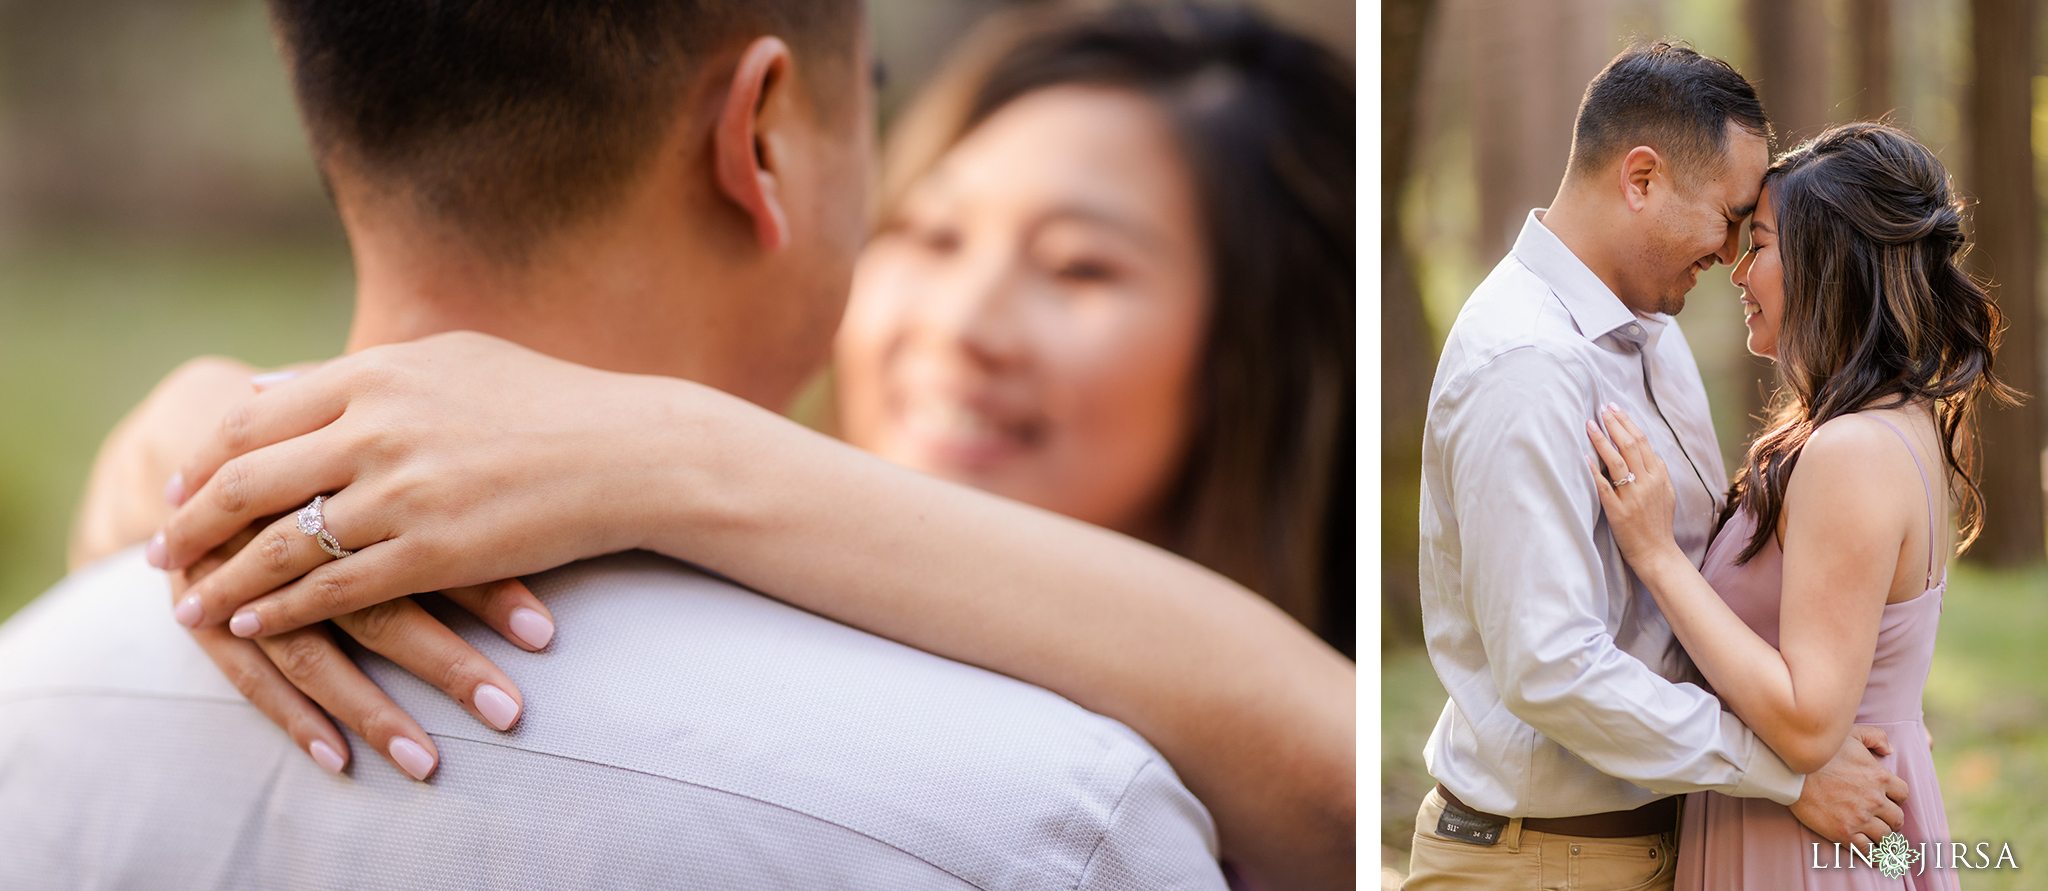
x: 1789, y: 65
x: 1870, y: 50
x: 1530, y: 66
x: 2000, y: 118
x: 1407, y: 354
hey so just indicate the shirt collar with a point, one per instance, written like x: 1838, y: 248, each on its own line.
x: 1593, y: 307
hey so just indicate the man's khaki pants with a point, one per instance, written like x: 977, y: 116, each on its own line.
x: 1537, y: 861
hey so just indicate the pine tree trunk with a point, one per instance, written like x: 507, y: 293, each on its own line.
x: 1789, y: 65
x: 1870, y: 51
x: 1407, y: 354
x: 1530, y: 66
x: 2000, y: 118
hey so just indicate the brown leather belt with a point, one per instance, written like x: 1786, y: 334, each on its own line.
x: 1650, y: 819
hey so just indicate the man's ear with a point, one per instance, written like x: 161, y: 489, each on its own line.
x: 746, y: 160
x: 1641, y: 169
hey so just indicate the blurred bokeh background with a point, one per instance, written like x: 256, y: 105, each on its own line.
x: 1480, y: 96
x: 157, y: 202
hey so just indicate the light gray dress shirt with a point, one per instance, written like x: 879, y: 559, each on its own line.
x: 680, y: 732
x: 1567, y: 692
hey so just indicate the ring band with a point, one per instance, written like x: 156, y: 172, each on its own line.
x: 1617, y: 483
x: 313, y: 522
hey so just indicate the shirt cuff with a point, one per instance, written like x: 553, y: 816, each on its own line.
x: 1766, y: 775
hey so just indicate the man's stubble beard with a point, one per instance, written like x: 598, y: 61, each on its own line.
x: 1672, y: 304
x: 1666, y: 302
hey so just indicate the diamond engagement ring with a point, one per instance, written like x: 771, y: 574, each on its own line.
x: 314, y: 523
x: 1617, y: 484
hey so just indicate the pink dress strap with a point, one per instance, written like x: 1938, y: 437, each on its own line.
x: 1925, y: 489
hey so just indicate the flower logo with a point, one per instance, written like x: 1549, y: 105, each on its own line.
x: 1894, y: 855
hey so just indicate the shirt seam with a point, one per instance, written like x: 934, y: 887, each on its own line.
x: 1109, y: 823
x: 58, y: 693
x: 1460, y: 383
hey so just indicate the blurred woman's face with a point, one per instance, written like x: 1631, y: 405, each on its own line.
x: 1030, y: 321
x: 1761, y: 276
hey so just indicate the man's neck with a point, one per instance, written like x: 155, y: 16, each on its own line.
x: 609, y: 297
x: 1579, y: 223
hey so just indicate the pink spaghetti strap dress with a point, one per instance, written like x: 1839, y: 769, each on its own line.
x: 1755, y: 843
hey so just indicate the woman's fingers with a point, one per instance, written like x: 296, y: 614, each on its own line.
x: 1627, y: 443
x: 1628, y: 423
x: 258, y: 679
x: 272, y: 480
x: 1617, y: 466
x: 271, y: 380
x: 265, y: 687
x: 276, y: 557
x: 1600, y: 482
x: 316, y: 665
x: 286, y: 409
x: 402, y: 632
x: 510, y: 609
x: 381, y: 572
x: 1642, y: 455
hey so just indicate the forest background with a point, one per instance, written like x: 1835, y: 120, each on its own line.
x: 1479, y: 97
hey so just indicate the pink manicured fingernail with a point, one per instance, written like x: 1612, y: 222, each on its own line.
x: 325, y: 756
x: 532, y: 627
x: 265, y: 381
x: 188, y: 612
x: 174, y: 491
x: 496, y: 707
x: 157, y: 553
x: 412, y: 757
x: 245, y: 625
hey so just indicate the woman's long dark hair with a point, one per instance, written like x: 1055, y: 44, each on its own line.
x: 1878, y: 313
x: 1266, y: 121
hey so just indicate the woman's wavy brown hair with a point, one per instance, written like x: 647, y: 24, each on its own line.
x: 1266, y: 121
x: 1879, y: 311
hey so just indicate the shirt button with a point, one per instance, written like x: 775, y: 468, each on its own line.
x: 1575, y: 849
x: 1635, y: 329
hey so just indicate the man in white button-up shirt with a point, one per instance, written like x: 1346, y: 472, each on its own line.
x: 681, y: 732
x: 1570, y: 724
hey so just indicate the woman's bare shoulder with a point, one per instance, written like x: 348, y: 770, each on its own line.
x: 1854, y: 472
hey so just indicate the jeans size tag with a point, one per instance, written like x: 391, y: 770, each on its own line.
x: 1459, y: 824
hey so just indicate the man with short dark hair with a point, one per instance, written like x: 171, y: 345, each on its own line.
x: 654, y: 187
x: 1570, y: 723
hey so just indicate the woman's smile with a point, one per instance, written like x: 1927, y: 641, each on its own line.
x: 968, y: 432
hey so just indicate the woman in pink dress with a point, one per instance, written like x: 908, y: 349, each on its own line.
x: 1819, y: 599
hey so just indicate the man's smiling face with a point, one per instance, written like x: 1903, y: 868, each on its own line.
x: 1696, y: 223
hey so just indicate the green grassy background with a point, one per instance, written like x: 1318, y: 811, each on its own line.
x: 87, y: 330
x: 1987, y: 705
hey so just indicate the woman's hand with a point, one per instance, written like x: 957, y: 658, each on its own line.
x: 123, y: 501
x: 1635, y: 491
x: 291, y: 678
x: 453, y: 461
x: 298, y: 678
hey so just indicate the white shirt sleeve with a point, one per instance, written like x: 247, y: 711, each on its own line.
x: 1536, y: 588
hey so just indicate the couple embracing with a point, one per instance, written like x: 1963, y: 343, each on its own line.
x: 1042, y: 621
x: 1614, y: 623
